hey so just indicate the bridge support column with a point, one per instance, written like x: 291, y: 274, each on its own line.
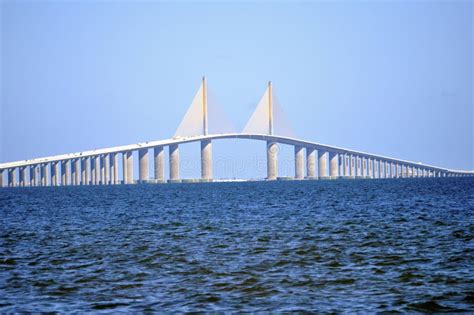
x: 93, y: 170
x: 97, y: 169
x: 174, y: 163
x: 22, y: 177
x: 344, y: 165
x: 45, y: 176
x: 86, y: 165
x: 102, y: 170
x: 374, y: 168
x: 130, y: 178
x: 363, y: 168
x: 107, y: 169
x: 73, y: 173
x: 356, y: 166
x: 84, y: 171
x: 116, y: 170
x: 349, y: 165
x: 380, y: 169
x: 64, y: 178
x: 206, y: 160
x: 124, y: 168
x: 334, y: 167
x: 54, y: 174
x: 77, y: 172
x: 299, y: 162
x: 310, y: 163
x: 11, y: 177
x: 368, y: 169
x: 32, y: 176
x: 159, y: 164
x: 113, y: 161
x: 1, y: 178
x: 143, y: 171
x: 272, y: 162
x: 323, y: 164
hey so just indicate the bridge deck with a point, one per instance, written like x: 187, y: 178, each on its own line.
x: 180, y: 140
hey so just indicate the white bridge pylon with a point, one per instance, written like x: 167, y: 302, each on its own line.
x: 268, y: 117
x: 204, y: 116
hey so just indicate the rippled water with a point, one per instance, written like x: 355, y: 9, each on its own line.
x: 361, y: 245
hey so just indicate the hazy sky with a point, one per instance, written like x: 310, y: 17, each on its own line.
x: 387, y: 77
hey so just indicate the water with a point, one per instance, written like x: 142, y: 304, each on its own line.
x: 369, y: 246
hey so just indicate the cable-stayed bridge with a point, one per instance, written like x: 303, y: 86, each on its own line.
x: 312, y: 160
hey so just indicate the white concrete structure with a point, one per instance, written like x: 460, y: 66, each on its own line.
x: 174, y: 163
x: 322, y: 164
x: 102, y: 166
x: 299, y: 162
x: 310, y: 163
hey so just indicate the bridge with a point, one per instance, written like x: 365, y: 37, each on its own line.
x: 312, y: 160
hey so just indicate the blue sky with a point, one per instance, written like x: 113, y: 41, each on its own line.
x: 392, y: 78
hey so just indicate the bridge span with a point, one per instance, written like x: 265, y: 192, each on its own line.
x: 312, y: 160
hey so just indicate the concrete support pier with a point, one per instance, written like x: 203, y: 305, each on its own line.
x: 129, y: 167
x: 272, y: 160
x: 93, y: 170
x: 54, y: 174
x: 1, y: 178
x: 310, y: 163
x: 63, y: 173
x: 44, y: 175
x: 97, y: 170
x: 113, y: 161
x: 174, y: 163
x: 357, y: 166
x: 334, y: 164
x: 106, y: 180
x: 102, y: 170
x: 206, y: 160
x: 77, y: 172
x: 32, y: 175
x: 351, y: 166
x: 299, y: 162
x: 345, y: 169
x: 143, y: 171
x: 110, y: 169
x: 11, y: 178
x: 22, y: 176
x: 323, y: 164
x: 73, y: 172
x: 83, y: 172
x: 159, y: 164
x: 124, y: 167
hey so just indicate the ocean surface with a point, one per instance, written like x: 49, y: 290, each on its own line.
x: 347, y: 245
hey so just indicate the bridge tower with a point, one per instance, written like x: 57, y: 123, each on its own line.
x: 272, y: 147
x: 206, y: 145
x: 194, y: 123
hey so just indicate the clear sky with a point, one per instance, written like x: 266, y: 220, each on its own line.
x: 386, y: 77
